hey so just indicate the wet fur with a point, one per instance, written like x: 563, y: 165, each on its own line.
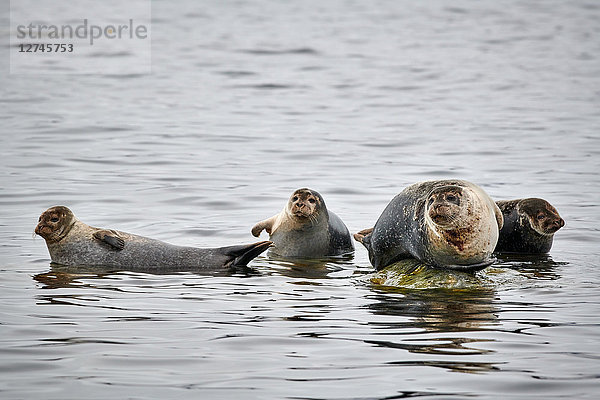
x: 406, y: 229
x: 523, y: 232
x: 306, y: 229
x: 74, y: 243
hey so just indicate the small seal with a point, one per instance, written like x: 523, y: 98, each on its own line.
x: 446, y: 223
x: 71, y: 242
x: 306, y: 229
x: 529, y: 226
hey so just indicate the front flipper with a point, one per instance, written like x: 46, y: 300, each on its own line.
x: 267, y: 225
x: 111, y: 238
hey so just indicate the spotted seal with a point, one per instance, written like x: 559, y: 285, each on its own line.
x: 306, y: 229
x: 71, y: 242
x: 445, y: 223
x: 529, y: 225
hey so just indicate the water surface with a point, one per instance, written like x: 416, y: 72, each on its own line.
x: 251, y: 100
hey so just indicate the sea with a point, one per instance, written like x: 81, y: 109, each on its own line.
x: 246, y: 101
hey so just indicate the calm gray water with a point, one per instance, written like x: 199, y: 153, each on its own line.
x: 248, y: 101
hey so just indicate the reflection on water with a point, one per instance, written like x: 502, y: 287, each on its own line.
x: 341, y: 266
x: 62, y: 276
x: 437, y: 317
x: 445, y: 308
x: 533, y: 266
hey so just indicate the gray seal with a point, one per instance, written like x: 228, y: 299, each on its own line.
x: 73, y: 243
x: 306, y: 229
x: 529, y: 226
x: 445, y: 223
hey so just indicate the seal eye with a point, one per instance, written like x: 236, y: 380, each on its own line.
x: 541, y: 216
x: 54, y: 219
x: 311, y: 200
x: 451, y: 197
x: 295, y: 198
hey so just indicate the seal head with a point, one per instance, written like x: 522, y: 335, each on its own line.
x: 455, y: 233
x: 444, y: 208
x: 530, y: 225
x: 306, y: 205
x: 55, y: 223
x: 541, y: 215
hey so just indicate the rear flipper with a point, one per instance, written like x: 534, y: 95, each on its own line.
x: 363, y: 236
x: 241, y: 255
x: 380, y: 259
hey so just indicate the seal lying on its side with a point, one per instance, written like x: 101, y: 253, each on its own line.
x: 305, y: 228
x: 71, y: 242
x: 447, y: 223
x: 529, y: 225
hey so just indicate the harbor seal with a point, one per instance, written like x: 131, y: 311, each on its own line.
x: 446, y: 223
x: 529, y: 225
x: 73, y: 243
x: 306, y: 229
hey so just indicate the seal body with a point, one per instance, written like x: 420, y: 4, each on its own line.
x: 445, y: 223
x: 529, y: 226
x: 306, y: 229
x: 74, y: 243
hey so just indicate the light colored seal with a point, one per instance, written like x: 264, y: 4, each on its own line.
x: 446, y: 223
x: 529, y: 226
x: 73, y: 243
x: 306, y: 229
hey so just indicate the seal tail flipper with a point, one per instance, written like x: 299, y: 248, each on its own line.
x: 364, y: 237
x: 378, y: 261
x: 243, y: 254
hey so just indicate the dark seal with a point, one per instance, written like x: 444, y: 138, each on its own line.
x: 447, y: 223
x: 71, y: 242
x: 529, y: 226
x: 306, y: 229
